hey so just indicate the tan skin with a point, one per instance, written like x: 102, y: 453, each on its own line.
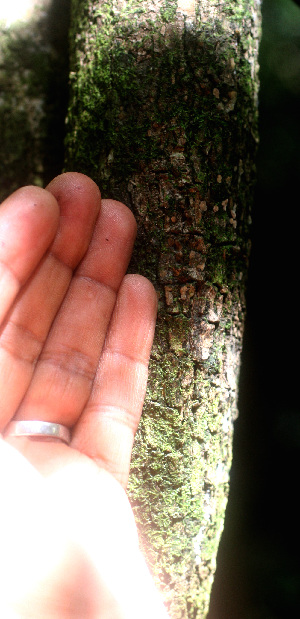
x: 75, y: 339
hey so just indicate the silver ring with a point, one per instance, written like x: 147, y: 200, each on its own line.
x: 38, y: 428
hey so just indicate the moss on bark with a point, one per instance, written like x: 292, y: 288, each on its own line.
x: 163, y: 115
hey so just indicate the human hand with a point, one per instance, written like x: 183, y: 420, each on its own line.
x: 75, y: 340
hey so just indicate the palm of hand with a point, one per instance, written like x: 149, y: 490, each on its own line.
x: 75, y: 341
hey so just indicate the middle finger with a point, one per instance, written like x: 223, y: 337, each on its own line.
x: 65, y: 371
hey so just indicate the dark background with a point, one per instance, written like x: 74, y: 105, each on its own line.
x: 258, y: 575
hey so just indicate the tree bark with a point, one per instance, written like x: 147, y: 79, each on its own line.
x: 163, y: 115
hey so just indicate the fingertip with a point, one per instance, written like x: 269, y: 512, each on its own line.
x: 111, y: 247
x: 28, y: 223
x: 122, y: 216
x: 66, y: 185
x: 79, y: 200
x: 141, y: 290
x: 31, y: 198
x: 133, y: 323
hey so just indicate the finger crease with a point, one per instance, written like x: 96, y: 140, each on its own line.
x: 72, y: 361
x: 8, y: 268
x: 21, y: 342
x: 98, y: 282
x: 117, y: 414
x: 131, y: 358
x: 53, y: 255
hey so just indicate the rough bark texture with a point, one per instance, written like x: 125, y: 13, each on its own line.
x: 163, y: 115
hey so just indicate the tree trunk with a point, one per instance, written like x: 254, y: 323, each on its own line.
x: 163, y: 115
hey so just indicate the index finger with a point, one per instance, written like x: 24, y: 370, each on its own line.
x: 28, y: 223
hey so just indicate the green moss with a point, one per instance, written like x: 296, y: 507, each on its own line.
x: 183, y: 465
x: 114, y: 132
x: 168, y: 11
